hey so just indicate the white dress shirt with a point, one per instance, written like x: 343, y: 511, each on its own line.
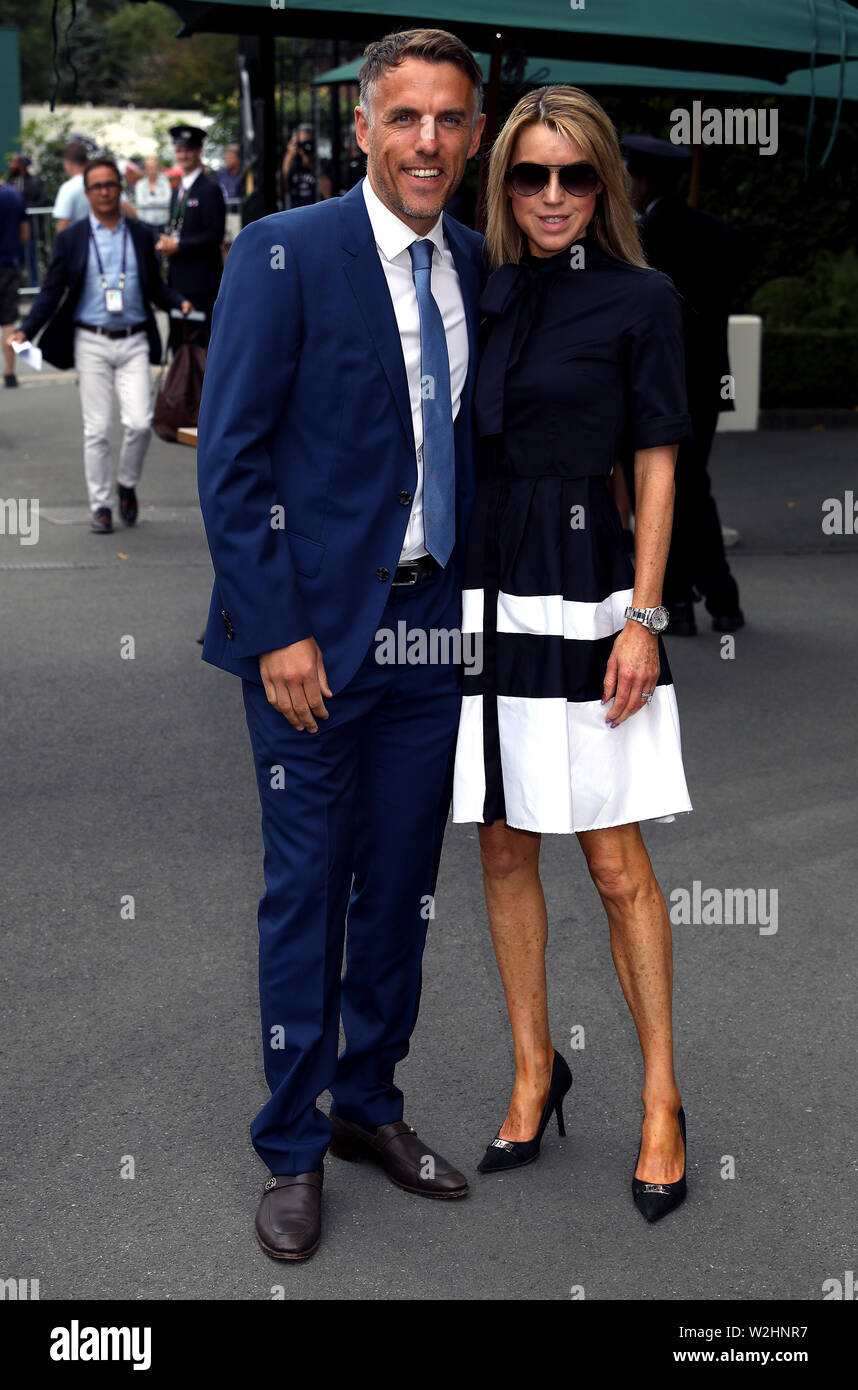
x: 392, y: 239
x: 187, y: 179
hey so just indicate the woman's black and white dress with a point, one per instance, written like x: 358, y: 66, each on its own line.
x: 584, y: 359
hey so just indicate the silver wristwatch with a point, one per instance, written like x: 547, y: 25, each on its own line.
x: 656, y: 619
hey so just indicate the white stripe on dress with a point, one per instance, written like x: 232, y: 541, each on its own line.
x: 565, y: 769
x: 549, y: 615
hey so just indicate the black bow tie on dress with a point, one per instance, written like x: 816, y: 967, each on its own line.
x: 512, y: 298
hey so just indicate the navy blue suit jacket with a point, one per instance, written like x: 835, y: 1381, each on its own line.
x: 67, y: 272
x: 305, y: 423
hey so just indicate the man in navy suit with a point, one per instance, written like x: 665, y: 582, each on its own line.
x: 105, y: 328
x: 336, y: 481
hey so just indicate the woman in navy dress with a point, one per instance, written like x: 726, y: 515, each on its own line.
x: 569, y: 720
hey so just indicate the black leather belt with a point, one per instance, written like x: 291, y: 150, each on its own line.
x: 416, y: 570
x: 112, y: 332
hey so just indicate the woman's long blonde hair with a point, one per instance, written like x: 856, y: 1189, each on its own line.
x: 574, y: 113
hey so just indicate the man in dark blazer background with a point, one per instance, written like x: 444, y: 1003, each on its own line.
x: 336, y: 481
x: 97, y: 304
x: 192, y: 241
x: 696, y: 250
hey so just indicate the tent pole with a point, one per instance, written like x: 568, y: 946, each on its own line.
x: 694, y: 191
x: 491, y: 128
x: 696, y: 167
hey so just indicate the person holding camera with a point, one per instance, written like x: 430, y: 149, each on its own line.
x: 300, y: 185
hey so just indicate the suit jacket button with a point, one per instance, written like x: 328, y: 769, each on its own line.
x: 404, y: 498
x: 382, y: 573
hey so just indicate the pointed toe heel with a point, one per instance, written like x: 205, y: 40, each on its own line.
x: 502, y: 1155
x: 655, y: 1199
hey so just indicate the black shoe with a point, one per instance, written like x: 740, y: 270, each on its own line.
x: 682, y: 622
x: 11, y: 379
x: 102, y: 521
x: 655, y: 1199
x: 728, y: 622
x: 504, y: 1154
x: 127, y: 504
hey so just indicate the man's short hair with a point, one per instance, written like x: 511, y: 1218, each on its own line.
x: 75, y: 152
x: 104, y: 162
x: 430, y: 45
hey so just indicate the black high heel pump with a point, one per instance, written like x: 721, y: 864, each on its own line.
x: 505, y: 1154
x: 655, y: 1199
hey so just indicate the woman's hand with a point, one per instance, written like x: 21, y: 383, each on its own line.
x: 633, y: 668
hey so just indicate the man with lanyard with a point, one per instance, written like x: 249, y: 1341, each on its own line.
x: 105, y: 328
x: 193, y: 239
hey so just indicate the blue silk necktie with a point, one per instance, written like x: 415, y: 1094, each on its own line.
x: 439, y: 450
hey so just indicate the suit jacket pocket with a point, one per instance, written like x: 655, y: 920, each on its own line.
x: 306, y: 554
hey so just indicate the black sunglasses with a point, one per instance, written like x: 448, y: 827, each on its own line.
x: 529, y: 179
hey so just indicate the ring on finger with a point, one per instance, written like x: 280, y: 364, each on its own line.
x: 647, y: 695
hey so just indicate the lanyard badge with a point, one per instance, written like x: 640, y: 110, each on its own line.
x: 179, y: 215
x: 114, y: 299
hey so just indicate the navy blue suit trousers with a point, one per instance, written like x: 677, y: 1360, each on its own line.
x: 353, y: 820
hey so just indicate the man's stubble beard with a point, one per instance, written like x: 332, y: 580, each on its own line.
x: 388, y: 193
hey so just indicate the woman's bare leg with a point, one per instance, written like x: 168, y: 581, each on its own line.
x: 641, y: 947
x: 519, y: 926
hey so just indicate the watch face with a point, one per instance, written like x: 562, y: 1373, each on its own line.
x: 659, y: 619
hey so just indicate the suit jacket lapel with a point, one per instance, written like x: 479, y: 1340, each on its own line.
x: 469, y: 279
x: 369, y: 286
x: 81, y: 251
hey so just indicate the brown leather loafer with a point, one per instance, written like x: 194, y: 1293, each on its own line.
x: 289, y: 1216
x: 399, y: 1150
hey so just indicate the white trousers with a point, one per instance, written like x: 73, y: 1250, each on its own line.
x: 102, y: 364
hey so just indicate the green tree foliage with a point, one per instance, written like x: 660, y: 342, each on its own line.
x: 826, y: 297
x: 122, y: 53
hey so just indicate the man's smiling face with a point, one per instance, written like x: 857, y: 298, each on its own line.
x: 418, y: 136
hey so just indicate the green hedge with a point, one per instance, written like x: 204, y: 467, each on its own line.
x: 809, y: 367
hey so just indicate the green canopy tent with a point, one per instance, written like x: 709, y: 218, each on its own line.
x: 768, y: 39
x: 542, y: 71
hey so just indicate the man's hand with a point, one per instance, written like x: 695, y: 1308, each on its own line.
x: 167, y: 245
x: 633, y: 667
x: 295, y: 681
x: 19, y: 336
x: 186, y: 306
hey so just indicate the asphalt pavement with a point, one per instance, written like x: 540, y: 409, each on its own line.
x: 130, y: 1032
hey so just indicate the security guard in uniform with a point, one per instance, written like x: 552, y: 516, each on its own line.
x: 192, y: 241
